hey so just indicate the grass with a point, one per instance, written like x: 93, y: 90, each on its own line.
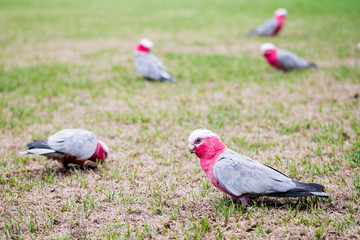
x: 67, y: 64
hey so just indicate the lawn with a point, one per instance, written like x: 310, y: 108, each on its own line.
x: 69, y: 64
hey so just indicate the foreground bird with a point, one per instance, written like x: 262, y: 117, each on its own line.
x: 283, y: 59
x: 273, y: 26
x: 70, y: 146
x: 148, y: 65
x: 242, y: 177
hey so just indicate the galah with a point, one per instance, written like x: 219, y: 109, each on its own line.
x: 242, y: 177
x: 283, y: 59
x: 70, y: 146
x: 148, y: 65
x: 273, y: 26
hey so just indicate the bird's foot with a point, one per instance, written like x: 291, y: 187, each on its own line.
x: 90, y: 165
x: 243, y: 200
x: 66, y: 166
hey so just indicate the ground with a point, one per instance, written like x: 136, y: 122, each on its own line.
x: 69, y: 64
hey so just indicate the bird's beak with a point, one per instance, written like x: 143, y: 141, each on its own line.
x: 191, y: 148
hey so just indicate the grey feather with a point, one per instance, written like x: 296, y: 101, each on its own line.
x: 290, y: 60
x: 320, y: 194
x: 241, y: 175
x: 37, y: 143
x: 78, y: 143
x: 266, y: 29
x: 68, y: 143
x: 149, y: 66
x: 38, y: 151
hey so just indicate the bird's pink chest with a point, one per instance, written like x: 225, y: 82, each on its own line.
x: 208, y: 153
x: 280, y: 22
x: 271, y: 58
x: 208, y: 166
x: 141, y: 48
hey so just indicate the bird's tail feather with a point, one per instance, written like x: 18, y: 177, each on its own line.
x: 313, y: 65
x: 320, y: 194
x: 37, y: 143
x: 38, y: 151
x: 302, y: 190
x: 168, y: 79
x: 251, y: 33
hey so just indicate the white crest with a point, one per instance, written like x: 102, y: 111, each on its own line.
x: 104, y: 146
x: 200, y: 133
x: 147, y: 43
x: 281, y: 12
x: 266, y: 46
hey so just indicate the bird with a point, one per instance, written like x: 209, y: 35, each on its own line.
x: 273, y: 26
x: 284, y: 60
x: 240, y: 176
x: 148, y: 65
x: 67, y: 146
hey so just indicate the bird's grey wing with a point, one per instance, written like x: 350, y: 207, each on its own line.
x: 164, y: 75
x: 241, y: 175
x: 266, y: 29
x: 79, y: 143
x: 148, y: 65
x: 290, y: 60
x: 157, y: 63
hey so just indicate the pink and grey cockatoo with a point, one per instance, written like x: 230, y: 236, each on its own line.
x: 283, y: 59
x: 70, y: 146
x: 242, y: 177
x: 273, y: 26
x: 148, y: 65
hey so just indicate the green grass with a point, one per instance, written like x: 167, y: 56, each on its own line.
x: 69, y: 64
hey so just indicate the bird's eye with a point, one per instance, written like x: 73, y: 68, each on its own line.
x: 198, y: 140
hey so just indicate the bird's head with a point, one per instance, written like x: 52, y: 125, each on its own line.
x: 280, y: 12
x: 205, y: 143
x: 101, y: 152
x: 267, y: 48
x: 105, y: 149
x: 145, y: 45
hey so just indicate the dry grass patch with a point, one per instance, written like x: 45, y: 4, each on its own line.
x: 152, y: 187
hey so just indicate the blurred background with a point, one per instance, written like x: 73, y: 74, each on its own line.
x: 69, y: 64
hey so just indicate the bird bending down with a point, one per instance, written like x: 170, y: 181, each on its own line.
x: 273, y: 26
x: 241, y: 177
x: 284, y: 60
x: 70, y: 146
x: 148, y: 65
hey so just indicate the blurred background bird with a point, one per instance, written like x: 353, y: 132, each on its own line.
x: 283, y: 59
x: 148, y: 65
x: 273, y: 26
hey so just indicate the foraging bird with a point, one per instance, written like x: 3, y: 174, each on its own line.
x: 273, y: 26
x: 148, y: 65
x: 242, y: 177
x: 283, y: 59
x: 70, y: 146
